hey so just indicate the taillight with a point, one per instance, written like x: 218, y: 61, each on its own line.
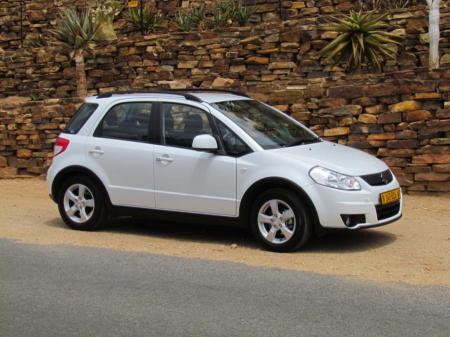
x: 61, y: 145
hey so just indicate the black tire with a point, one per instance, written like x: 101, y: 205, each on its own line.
x: 301, y: 232
x: 97, y: 214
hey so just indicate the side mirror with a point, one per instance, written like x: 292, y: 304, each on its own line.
x: 205, y: 143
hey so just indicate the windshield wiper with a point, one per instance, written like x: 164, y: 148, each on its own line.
x: 303, y: 142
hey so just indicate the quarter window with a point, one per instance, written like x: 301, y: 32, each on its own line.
x: 81, y: 117
x: 234, y: 146
x: 127, y: 121
x: 180, y: 124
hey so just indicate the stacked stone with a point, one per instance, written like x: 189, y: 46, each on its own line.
x: 28, y: 130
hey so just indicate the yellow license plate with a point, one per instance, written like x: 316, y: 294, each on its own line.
x: 390, y: 196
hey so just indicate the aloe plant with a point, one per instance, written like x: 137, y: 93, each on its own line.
x: 76, y: 32
x: 149, y: 22
x: 362, y: 38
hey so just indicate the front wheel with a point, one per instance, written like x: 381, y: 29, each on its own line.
x: 81, y: 204
x: 280, y: 221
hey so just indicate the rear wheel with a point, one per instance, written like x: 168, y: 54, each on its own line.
x: 280, y: 221
x: 81, y: 204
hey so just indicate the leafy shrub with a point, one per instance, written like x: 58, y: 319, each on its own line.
x: 242, y: 14
x: 190, y: 19
x: 362, y: 38
x: 380, y: 5
x: 149, y: 22
x: 224, y: 13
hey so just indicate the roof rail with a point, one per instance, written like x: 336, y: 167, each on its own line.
x: 238, y: 93
x: 167, y: 92
x: 181, y: 92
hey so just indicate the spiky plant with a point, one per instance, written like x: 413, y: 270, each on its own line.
x: 362, y: 39
x: 75, y: 32
x: 149, y: 22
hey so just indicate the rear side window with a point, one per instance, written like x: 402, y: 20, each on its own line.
x: 80, y: 117
x: 127, y: 121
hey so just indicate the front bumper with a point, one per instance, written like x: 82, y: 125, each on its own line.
x: 331, y: 204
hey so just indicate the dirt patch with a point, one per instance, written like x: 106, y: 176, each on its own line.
x: 414, y: 250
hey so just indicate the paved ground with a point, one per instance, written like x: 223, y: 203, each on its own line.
x: 78, y: 291
x: 414, y: 250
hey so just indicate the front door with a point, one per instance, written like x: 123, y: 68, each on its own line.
x: 187, y: 180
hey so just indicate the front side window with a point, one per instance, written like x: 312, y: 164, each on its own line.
x: 180, y: 124
x: 126, y: 121
x: 80, y: 117
x: 268, y: 127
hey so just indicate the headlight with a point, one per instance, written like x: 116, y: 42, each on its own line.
x: 333, y: 179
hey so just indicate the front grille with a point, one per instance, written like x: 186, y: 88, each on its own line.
x: 378, y: 179
x: 387, y: 211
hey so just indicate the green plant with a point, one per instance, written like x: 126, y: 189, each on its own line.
x: 380, y: 5
x: 76, y: 32
x: 241, y: 13
x: 38, y: 41
x: 190, y: 19
x: 149, y: 22
x: 362, y: 38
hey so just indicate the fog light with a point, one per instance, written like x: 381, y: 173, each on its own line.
x: 351, y: 220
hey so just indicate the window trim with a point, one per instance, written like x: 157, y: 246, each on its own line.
x: 150, y: 128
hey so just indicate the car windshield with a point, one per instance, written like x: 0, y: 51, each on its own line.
x: 268, y: 127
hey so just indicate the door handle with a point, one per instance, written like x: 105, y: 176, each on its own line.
x: 166, y: 159
x: 96, y: 150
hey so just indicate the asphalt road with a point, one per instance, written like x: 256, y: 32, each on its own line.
x: 73, y: 291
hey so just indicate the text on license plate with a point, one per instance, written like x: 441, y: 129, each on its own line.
x: 390, y: 196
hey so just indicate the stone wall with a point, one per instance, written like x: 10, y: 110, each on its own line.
x: 402, y: 115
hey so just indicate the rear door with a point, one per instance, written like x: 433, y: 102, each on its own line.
x: 121, y: 150
x: 187, y: 180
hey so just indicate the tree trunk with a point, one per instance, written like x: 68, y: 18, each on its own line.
x: 80, y: 73
x: 433, y: 33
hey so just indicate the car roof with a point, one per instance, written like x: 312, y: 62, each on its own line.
x: 208, y: 96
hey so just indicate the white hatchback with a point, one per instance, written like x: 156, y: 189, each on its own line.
x: 215, y: 157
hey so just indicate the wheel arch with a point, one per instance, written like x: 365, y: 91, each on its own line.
x: 276, y: 182
x: 76, y: 170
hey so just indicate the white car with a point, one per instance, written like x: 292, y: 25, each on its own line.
x: 217, y: 157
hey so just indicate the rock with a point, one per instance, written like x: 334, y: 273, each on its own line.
x: 367, y: 119
x: 439, y: 186
x: 390, y: 118
x: 257, y: 60
x: 340, y: 131
x: 445, y: 59
x: 346, y: 110
x: 3, y: 161
x: 187, y: 64
x: 432, y: 176
x: 233, y: 246
x: 441, y: 168
x: 404, y: 106
x: 427, y: 95
x: 417, y: 115
x: 345, y: 91
x: 432, y: 158
x: 403, y: 144
x: 23, y: 153
x: 221, y: 82
x: 298, y: 5
x: 282, y: 65
x: 382, y: 136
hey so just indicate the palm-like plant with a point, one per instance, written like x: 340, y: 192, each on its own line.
x: 76, y: 32
x: 362, y: 38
